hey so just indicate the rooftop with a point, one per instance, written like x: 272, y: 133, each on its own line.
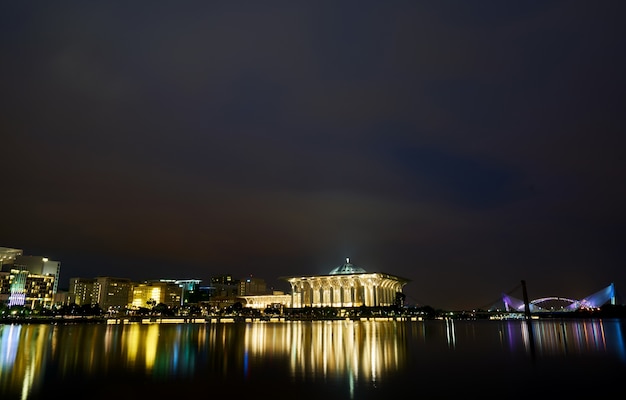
x: 346, y: 268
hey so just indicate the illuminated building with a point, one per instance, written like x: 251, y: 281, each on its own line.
x: 81, y: 291
x: 29, y: 281
x: 8, y: 255
x: 189, y: 290
x: 346, y: 286
x: 158, y: 292
x: 112, y: 294
x: 278, y: 300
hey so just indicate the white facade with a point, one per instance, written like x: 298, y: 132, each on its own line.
x: 345, y: 286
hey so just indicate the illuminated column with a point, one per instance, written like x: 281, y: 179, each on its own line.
x: 344, y: 293
x: 332, y: 292
x: 387, y: 285
x: 366, y: 292
x: 387, y: 294
x: 293, y: 292
x: 346, y: 299
x: 307, y: 294
x: 296, y: 294
x: 382, y: 293
x: 337, y: 293
x: 327, y: 288
x: 394, y: 289
x: 376, y: 292
x: 319, y: 290
x: 359, y: 293
x: 316, y: 285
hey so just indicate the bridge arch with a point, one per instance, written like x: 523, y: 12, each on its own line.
x: 595, y: 300
x: 552, y: 301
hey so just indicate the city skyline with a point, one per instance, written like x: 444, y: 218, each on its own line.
x: 464, y: 147
x: 601, y: 297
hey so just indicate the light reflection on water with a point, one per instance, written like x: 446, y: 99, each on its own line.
x: 351, y: 358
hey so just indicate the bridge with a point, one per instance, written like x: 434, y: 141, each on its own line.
x: 554, y: 303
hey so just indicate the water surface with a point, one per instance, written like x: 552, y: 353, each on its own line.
x: 314, y: 359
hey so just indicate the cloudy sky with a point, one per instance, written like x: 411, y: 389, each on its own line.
x: 465, y: 146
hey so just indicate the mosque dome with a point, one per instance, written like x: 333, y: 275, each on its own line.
x: 347, y: 269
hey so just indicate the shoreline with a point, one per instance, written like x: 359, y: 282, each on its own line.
x: 279, y: 319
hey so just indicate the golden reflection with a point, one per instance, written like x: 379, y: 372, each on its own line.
x: 132, y: 342
x: 354, y: 352
x: 362, y: 350
x: 151, y: 345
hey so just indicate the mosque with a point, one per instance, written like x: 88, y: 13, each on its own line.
x: 346, y: 286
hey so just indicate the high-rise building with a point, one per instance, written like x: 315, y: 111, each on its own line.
x: 112, y: 294
x: 38, y: 265
x: 7, y: 279
x: 29, y: 281
x: 81, y: 291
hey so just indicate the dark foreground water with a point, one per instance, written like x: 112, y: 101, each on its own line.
x: 315, y: 360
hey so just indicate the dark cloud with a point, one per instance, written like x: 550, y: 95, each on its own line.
x: 462, y: 146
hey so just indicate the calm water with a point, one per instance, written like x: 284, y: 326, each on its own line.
x: 332, y: 360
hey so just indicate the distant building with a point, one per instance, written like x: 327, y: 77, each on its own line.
x: 82, y: 292
x: 6, y: 280
x: 112, y: 294
x: 149, y: 294
x: 252, y: 286
x: 61, y: 298
x: 225, y: 286
x: 38, y: 265
x: 7, y: 256
x: 346, y: 286
x: 201, y: 294
x: 29, y: 281
x: 278, y: 300
x: 190, y: 290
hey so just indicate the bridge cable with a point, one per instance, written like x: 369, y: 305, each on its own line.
x: 499, y: 299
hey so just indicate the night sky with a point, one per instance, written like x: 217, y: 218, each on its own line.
x: 465, y: 146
